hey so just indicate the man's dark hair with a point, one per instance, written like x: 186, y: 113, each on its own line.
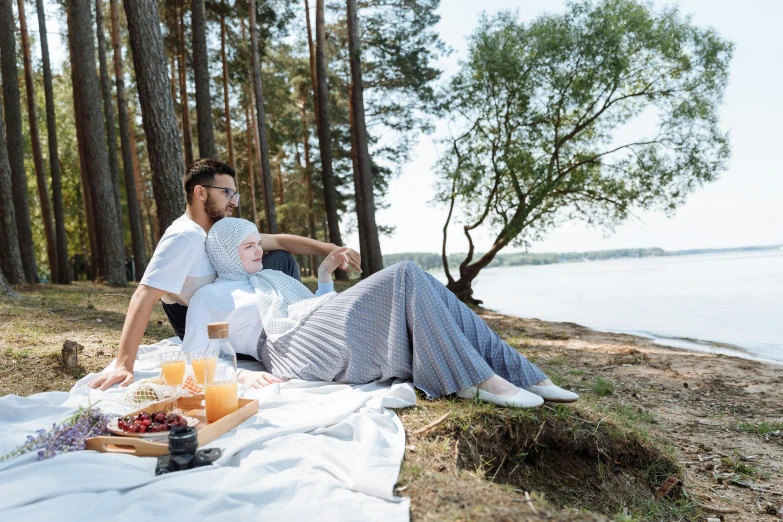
x: 202, y: 172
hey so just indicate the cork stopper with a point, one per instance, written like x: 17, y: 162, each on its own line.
x: 217, y: 330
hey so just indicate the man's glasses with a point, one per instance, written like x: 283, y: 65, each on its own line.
x: 230, y: 194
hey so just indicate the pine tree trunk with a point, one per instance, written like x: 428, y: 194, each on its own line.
x: 206, y: 136
x: 269, y: 196
x: 5, y: 288
x: 157, y: 109
x: 324, y: 130
x: 187, y: 130
x: 141, y: 193
x: 108, y: 108
x: 250, y: 169
x: 280, y: 182
x: 311, y: 50
x: 64, y: 275
x: 308, y: 178
x: 35, y: 139
x: 357, y: 185
x: 15, y: 140
x: 365, y: 200
x: 131, y: 190
x: 173, y: 83
x: 251, y: 140
x: 257, y: 151
x: 108, y: 228
x: 226, y: 106
x: 10, y: 256
x: 93, y: 263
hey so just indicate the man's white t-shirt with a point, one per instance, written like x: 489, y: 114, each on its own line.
x: 180, y: 265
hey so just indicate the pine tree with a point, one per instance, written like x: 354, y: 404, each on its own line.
x: 131, y: 197
x: 35, y: 139
x: 269, y: 197
x: 157, y: 108
x: 108, y: 229
x: 15, y: 140
x: 324, y: 127
x: 10, y: 255
x: 206, y: 135
x: 372, y: 258
x: 108, y: 108
x: 64, y: 275
x: 187, y: 131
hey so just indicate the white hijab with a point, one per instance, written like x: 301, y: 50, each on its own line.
x: 282, y: 301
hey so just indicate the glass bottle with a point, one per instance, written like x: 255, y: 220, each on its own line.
x: 220, y: 380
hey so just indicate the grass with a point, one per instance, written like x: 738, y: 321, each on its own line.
x: 761, y: 428
x: 34, y: 328
x: 574, y: 456
x: 555, y: 336
x: 602, y: 387
x: 576, y: 462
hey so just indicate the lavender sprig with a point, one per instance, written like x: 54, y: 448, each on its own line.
x: 69, y: 435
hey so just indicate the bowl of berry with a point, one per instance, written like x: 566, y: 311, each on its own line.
x: 154, y: 424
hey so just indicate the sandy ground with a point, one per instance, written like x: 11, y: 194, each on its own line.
x: 714, y: 409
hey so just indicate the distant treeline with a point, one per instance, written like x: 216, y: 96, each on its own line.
x: 430, y: 261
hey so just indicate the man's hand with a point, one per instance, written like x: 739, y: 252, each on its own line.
x: 256, y: 380
x: 117, y: 375
x: 136, y: 321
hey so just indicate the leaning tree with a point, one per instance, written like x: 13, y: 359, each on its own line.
x: 543, y: 122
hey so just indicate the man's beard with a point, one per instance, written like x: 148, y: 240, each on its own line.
x: 214, y: 212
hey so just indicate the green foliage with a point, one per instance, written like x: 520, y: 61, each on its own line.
x: 543, y: 118
x: 603, y: 387
x: 761, y: 428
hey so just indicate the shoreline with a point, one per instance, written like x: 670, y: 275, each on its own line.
x: 688, y: 344
x: 720, y: 415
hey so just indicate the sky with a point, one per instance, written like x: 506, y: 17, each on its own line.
x: 742, y: 208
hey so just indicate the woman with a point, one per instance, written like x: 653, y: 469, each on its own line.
x: 399, y: 323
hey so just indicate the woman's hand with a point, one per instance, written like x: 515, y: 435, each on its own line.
x: 337, y: 258
x: 256, y: 380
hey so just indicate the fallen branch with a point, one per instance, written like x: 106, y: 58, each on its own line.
x: 530, y: 503
x: 432, y: 424
x: 719, y: 510
x: 745, y: 484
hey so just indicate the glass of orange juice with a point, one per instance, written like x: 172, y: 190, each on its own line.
x: 204, y: 365
x: 173, y: 366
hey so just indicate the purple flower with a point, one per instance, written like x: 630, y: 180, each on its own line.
x: 69, y: 435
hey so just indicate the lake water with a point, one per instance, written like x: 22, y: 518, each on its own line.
x: 707, y: 302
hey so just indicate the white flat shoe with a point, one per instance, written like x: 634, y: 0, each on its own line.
x: 522, y: 399
x: 553, y: 393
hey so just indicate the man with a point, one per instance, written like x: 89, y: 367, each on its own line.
x: 180, y: 265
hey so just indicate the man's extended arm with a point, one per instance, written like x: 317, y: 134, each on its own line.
x: 306, y: 246
x: 139, y: 313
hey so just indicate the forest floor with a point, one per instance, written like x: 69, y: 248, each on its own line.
x: 658, y: 434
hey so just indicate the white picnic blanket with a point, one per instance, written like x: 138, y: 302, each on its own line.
x: 314, y: 451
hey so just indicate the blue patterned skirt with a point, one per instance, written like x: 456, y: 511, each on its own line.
x: 399, y: 323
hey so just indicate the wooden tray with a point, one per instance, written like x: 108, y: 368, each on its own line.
x: 207, y: 431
